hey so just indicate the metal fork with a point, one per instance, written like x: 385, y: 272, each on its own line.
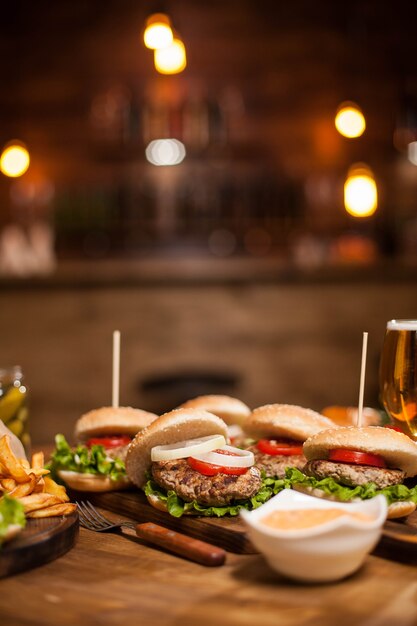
x: 193, y: 549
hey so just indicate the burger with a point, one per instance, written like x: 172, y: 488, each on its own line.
x: 351, y: 463
x: 278, y: 432
x: 231, y: 410
x: 97, y: 462
x: 12, y: 518
x: 184, y: 465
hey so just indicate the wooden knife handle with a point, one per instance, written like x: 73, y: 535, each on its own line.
x: 185, y: 546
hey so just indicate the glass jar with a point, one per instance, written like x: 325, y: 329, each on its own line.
x: 13, y: 404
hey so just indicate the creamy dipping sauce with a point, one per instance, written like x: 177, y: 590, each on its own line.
x: 299, y: 519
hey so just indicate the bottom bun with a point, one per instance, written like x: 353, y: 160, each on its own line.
x: 159, y: 504
x: 395, y: 510
x: 92, y: 482
x: 401, y: 509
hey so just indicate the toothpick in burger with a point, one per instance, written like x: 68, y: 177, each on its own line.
x: 279, y: 431
x: 97, y: 462
x: 184, y: 465
x: 351, y: 463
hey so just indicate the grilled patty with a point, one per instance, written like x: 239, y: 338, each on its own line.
x: 353, y: 475
x: 274, y: 465
x: 219, y: 490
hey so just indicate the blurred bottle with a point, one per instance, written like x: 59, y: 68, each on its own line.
x: 13, y: 404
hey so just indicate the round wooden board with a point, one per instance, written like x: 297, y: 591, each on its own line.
x: 41, y: 541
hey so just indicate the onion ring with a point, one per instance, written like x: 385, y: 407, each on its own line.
x: 189, y: 447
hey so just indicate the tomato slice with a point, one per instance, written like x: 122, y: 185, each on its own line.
x: 208, y: 469
x: 397, y: 428
x: 356, y: 457
x: 275, y: 447
x: 113, y: 441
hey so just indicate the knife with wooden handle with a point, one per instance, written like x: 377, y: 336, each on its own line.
x: 188, y: 547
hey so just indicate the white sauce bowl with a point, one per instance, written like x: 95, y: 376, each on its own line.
x: 322, y: 553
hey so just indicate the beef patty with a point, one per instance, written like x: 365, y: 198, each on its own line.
x: 353, y: 475
x: 274, y: 465
x: 219, y: 490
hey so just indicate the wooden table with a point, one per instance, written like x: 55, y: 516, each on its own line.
x: 111, y: 580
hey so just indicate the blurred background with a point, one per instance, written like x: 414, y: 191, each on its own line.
x: 240, y: 202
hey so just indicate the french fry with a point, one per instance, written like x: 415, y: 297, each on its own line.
x: 8, y: 460
x: 24, y: 489
x: 53, y: 488
x: 38, y: 460
x: 37, y: 501
x: 8, y: 484
x: 52, y: 511
x: 40, y: 495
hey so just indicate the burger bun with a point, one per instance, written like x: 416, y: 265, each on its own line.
x: 285, y: 420
x: 108, y: 420
x: 92, y: 482
x: 230, y: 410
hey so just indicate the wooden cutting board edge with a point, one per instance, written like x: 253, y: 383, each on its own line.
x: 226, y: 532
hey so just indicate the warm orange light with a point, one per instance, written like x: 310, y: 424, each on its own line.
x: 360, y: 192
x: 158, y: 32
x: 14, y: 160
x: 349, y: 120
x: 171, y: 60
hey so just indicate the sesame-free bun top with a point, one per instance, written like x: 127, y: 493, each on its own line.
x: 285, y: 420
x: 398, y: 450
x: 178, y: 425
x: 122, y: 420
x: 230, y: 410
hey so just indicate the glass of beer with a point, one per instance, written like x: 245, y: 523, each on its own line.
x: 398, y: 374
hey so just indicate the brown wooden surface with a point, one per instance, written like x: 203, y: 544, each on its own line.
x: 227, y: 532
x: 230, y: 532
x: 115, y: 581
x: 41, y: 541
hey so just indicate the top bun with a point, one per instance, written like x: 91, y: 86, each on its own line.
x: 108, y: 420
x: 178, y: 425
x: 230, y: 410
x: 285, y: 420
x: 398, y: 450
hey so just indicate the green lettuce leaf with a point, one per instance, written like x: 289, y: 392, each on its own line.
x: 396, y: 493
x: 177, y: 507
x: 271, y: 486
x: 85, y: 460
x: 11, y: 513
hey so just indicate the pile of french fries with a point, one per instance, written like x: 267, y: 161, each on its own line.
x: 30, y: 484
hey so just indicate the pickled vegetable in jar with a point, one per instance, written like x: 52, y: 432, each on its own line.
x: 13, y: 404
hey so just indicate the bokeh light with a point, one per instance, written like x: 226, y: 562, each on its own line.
x: 350, y: 121
x: 171, y: 60
x: 360, y: 192
x: 165, y: 152
x: 14, y: 160
x: 412, y: 152
x: 158, y: 32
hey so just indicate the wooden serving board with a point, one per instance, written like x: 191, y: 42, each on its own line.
x: 226, y: 532
x: 41, y: 541
x: 230, y: 532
